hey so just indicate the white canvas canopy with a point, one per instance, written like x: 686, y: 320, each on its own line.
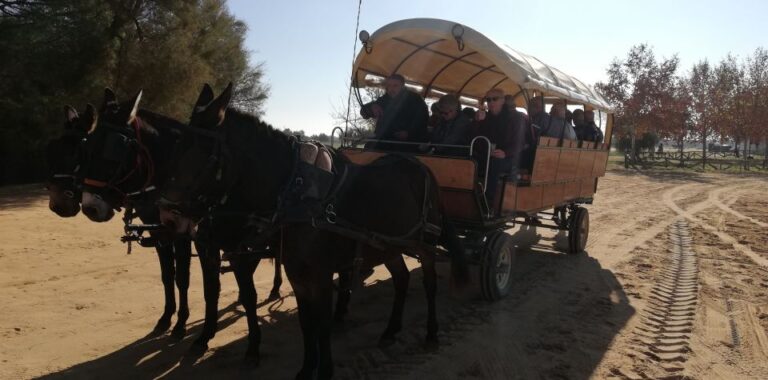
x: 427, y: 53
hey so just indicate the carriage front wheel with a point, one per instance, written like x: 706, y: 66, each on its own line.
x: 496, y: 266
x: 578, y: 230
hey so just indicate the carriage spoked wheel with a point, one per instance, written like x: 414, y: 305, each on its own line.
x: 578, y: 231
x: 496, y: 266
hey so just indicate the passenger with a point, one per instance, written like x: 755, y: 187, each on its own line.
x: 469, y: 112
x: 589, y: 119
x: 547, y: 124
x: 505, y: 131
x: 559, y: 126
x: 434, y: 117
x: 401, y: 115
x: 531, y: 136
x: 580, y: 126
x: 453, y: 127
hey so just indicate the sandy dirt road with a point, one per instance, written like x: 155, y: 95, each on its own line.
x: 674, y: 284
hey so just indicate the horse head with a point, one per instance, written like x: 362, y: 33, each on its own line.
x: 64, y: 155
x: 223, y: 153
x: 114, y: 157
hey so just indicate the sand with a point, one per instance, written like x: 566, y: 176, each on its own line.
x: 674, y: 284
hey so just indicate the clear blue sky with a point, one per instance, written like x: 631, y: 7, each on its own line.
x: 307, y: 45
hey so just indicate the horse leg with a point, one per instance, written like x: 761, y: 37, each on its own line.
x: 243, y: 268
x: 430, y: 286
x: 344, y: 295
x: 303, y: 290
x: 167, y: 274
x: 182, y: 251
x: 274, y: 294
x: 324, y: 309
x: 400, y: 279
x: 210, y: 263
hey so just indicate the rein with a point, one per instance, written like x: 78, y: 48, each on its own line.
x: 147, y: 161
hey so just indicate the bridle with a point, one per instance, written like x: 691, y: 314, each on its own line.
x: 143, y: 158
x: 210, y: 178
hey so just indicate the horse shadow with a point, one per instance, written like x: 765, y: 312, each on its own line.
x: 150, y: 356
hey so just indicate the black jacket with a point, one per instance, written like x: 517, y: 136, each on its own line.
x: 405, y: 112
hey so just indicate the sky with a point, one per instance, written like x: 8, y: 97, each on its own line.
x: 307, y: 46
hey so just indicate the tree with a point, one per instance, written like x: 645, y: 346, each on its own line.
x: 702, y: 87
x: 638, y: 87
x: 66, y: 52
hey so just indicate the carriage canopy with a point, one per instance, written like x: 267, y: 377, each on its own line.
x: 440, y: 56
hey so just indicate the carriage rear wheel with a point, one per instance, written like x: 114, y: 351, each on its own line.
x: 578, y: 231
x: 496, y: 266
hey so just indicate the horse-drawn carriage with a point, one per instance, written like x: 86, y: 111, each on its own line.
x: 438, y: 57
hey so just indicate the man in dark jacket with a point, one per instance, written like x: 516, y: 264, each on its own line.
x: 452, y: 127
x: 504, y: 128
x: 401, y: 115
x: 589, y: 119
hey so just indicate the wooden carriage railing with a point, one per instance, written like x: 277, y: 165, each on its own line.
x: 560, y: 175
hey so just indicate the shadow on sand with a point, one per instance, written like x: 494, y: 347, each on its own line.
x: 20, y: 196
x: 558, y: 322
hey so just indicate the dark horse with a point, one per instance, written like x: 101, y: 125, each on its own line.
x: 228, y: 155
x: 63, y: 155
x: 126, y: 159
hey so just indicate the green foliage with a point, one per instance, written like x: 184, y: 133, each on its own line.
x: 66, y: 51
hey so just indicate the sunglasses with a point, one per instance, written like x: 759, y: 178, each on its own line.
x: 492, y: 99
x: 446, y: 112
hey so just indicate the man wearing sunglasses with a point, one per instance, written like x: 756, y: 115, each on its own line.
x: 504, y: 128
x: 401, y: 115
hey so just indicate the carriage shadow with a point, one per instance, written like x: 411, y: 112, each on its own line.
x: 558, y: 321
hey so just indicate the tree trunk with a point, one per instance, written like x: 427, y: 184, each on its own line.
x: 704, y: 150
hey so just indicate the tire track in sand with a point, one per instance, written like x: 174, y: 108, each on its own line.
x: 689, y: 214
x: 667, y: 321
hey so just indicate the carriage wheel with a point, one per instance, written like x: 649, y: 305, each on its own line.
x: 496, y: 266
x: 578, y: 231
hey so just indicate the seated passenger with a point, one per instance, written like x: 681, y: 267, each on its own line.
x: 547, y: 124
x: 469, y: 112
x: 505, y: 131
x: 452, y: 128
x: 559, y: 126
x: 531, y: 136
x: 589, y: 119
x: 401, y: 115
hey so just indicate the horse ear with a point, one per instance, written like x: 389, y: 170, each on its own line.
x: 205, y: 98
x: 134, y: 104
x: 89, y: 118
x: 110, y: 99
x: 221, y: 103
x: 70, y: 113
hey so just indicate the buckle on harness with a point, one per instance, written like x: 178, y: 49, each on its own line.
x: 330, y: 214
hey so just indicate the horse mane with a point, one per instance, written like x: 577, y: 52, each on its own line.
x: 252, y: 127
x: 155, y: 123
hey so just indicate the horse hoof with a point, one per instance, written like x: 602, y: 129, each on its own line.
x: 179, y: 332
x: 161, y: 326
x: 252, y: 358
x: 197, y: 350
